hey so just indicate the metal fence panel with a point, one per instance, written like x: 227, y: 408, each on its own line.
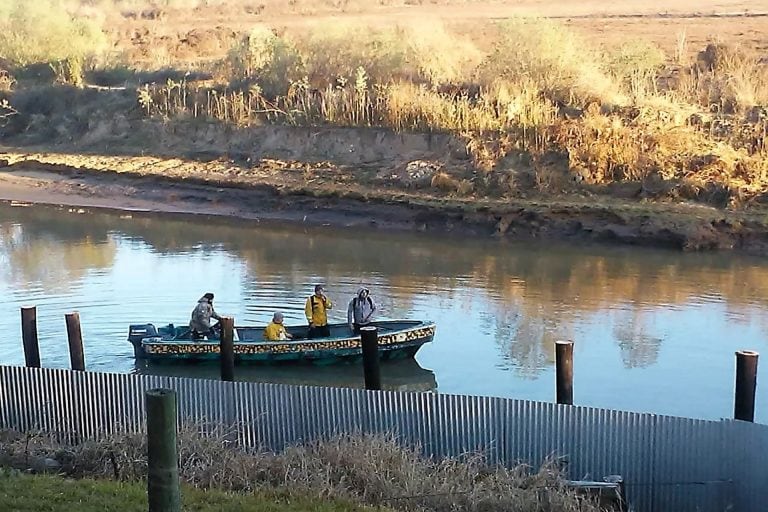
x: 668, y: 463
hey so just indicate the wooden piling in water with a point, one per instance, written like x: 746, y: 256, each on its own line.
x: 746, y: 385
x: 227, y: 349
x: 369, y: 337
x: 564, y: 371
x: 163, y: 491
x: 29, y: 336
x: 75, y: 339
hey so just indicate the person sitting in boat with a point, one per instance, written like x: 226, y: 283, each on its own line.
x: 275, y: 331
x: 200, y: 323
x: 360, y: 310
x: 316, y: 312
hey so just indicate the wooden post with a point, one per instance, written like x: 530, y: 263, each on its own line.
x: 746, y: 384
x: 369, y: 337
x: 29, y: 336
x: 564, y: 371
x: 162, y: 454
x: 227, y: 349
x: 75, y: 338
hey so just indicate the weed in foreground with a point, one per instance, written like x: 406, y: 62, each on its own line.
x: 367, y: 469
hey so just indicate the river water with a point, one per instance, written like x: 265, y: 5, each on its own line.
x: 654, y: 330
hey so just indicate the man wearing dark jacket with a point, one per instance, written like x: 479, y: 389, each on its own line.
x: 200, y: 323
x: 360, y: 310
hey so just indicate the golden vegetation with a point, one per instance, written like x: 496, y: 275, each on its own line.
x: 619, y: 115
x: 694, y: 130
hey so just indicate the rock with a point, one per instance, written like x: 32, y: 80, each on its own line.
x: 415, y: 174
x: 51, y: 465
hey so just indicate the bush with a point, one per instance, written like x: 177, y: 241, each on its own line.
x: 556, y: 59
x: 44, y: 32
x: 635, y: 64
x: 267, y: 59
x: 422, y: 53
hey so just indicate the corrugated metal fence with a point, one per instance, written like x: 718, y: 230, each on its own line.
x: 668, y: 463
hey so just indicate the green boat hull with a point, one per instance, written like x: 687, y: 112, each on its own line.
x: 397, y: 340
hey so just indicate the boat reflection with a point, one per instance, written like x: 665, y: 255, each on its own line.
x: 399, y: 375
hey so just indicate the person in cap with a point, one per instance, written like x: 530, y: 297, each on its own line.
x: 275, y: 331
x: 316, y: 311
x: 360, y: 310
x: 200, y: 323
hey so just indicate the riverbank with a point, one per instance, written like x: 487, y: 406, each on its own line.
x: 327, y: 194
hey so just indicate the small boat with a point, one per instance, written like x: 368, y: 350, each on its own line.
x: 398, y: 339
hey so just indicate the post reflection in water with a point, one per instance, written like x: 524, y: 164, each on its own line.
x: 653, y: 330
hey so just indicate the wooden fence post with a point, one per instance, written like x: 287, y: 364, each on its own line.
x: 75, y: 339
x: 369, y: 338
x: 163, y: 491
x: 227, y: 349
x: 29, y: 336
x: 564, y: 371
x: 746, y: 385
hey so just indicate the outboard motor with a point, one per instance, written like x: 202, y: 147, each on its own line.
x: 138, y: 332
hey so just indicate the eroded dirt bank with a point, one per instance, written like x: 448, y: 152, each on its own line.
x: 220, y: 188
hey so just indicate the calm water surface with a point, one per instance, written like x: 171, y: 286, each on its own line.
x: 654, y: 330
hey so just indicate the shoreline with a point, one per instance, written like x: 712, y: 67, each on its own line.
x: 680, y: 226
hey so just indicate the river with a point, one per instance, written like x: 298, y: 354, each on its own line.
x: 654, y: 330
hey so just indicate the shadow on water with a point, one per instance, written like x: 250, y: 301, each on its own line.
x: 402, y: 375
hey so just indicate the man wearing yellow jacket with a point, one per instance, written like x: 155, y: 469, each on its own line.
x: 316, y: 312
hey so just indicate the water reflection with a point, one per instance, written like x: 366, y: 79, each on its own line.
x: 499, y: 306
x: 406, y: 375
x: 33, y: 254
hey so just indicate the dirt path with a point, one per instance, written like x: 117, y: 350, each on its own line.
x: 50, y: 179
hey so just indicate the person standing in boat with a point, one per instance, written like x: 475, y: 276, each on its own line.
x: 316, y: 311
x: 360, y: 310
x: 200, y: 323
x: 275, y: 331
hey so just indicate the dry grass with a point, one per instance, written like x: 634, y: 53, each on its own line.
x: 45, y: 32
x: 541, y: 89
x: 373, y: 470
x: 624, y: 113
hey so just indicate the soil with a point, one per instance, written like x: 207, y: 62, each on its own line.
x: 152, y: 184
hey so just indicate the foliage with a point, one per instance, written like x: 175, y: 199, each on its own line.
x: 44, y: 32
x: 264, y: 58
